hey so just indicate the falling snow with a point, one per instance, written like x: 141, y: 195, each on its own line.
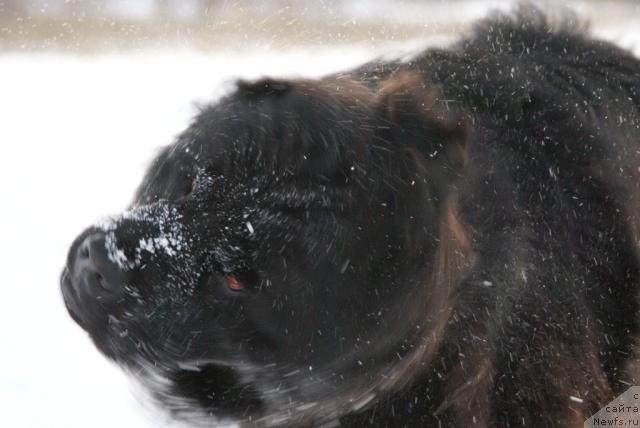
x: 64, y: 134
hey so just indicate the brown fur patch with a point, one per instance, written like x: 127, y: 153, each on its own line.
x: 451, y: 259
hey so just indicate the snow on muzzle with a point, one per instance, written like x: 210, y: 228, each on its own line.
x: 121, y: 255
x: 152, y: 231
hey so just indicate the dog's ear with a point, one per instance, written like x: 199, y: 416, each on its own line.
x: 416, y: 119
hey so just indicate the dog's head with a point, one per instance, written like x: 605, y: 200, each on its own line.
x: 284, y: 258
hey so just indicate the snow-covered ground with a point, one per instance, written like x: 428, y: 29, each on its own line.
x: 76, y: 133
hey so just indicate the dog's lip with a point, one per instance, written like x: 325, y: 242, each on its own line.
x: 70, y: 298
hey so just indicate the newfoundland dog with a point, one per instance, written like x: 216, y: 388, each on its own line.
x: 451, y: 240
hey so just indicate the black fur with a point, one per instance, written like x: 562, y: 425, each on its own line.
x: 448, y: 241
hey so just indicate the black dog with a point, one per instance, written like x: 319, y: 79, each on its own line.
x: 448, y: 241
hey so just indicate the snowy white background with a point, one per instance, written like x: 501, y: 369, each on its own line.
x: 76, y: 133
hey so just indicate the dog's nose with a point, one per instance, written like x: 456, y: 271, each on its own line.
x: 92, y: 281
x: 94, y: 271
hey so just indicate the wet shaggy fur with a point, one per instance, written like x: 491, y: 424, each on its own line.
x: 447, y: 241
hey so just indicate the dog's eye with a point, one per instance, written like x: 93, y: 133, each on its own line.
x: 233, y: 284
x: 190, y: 187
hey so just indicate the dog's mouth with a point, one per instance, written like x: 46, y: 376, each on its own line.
x: 215, y: 388
x: 71, y: 300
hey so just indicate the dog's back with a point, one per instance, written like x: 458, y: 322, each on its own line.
x: 546, y: 324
